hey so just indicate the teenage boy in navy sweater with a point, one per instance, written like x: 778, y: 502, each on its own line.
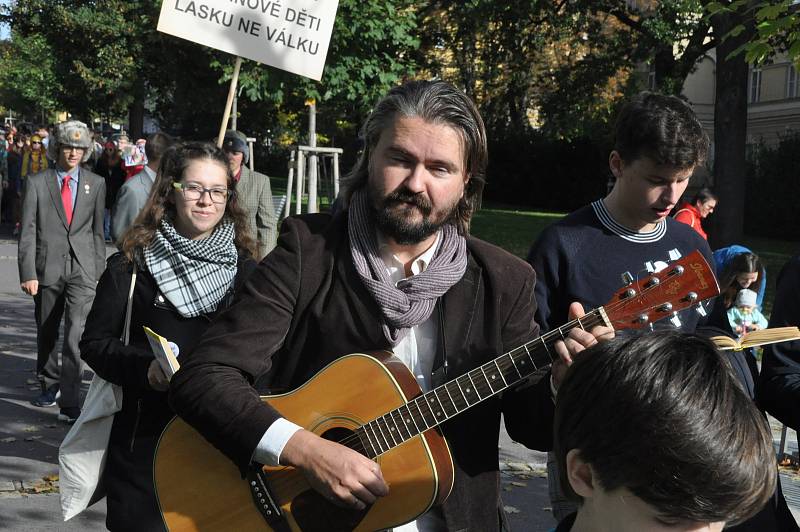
x: 658, y: 144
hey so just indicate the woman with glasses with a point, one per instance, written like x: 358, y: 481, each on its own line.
x: 34, y: 158
x: 191, y: 251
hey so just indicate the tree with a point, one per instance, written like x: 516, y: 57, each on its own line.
x: 28, y: 76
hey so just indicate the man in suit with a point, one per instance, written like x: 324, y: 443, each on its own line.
x: 253, y: 192
x: 61, y: 256
x: 134, y: 192
x: 395, y: 269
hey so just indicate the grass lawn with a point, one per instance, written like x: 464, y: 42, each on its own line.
x: 515, y: 229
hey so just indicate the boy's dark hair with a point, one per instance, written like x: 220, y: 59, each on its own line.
x: 157, y: 144
x: 663, y: 128
x: 664, y: 416
x: 703, y: 195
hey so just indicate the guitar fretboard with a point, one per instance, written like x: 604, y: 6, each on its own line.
x: 452, y: 398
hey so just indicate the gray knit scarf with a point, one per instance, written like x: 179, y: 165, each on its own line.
x: 194, y: 275
x: 412, y: 300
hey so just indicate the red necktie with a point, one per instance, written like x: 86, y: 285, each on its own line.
x: 66, y: 199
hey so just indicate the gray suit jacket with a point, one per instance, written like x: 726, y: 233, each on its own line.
x: 46, y: 241
x: 130, y: 200
x: 255, y: 196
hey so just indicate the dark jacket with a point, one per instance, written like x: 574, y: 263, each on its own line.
x: 145, y: 412
x: 319, y: 311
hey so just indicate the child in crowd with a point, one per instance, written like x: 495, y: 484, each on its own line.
x: 654, y: 432
x: 744, y: 316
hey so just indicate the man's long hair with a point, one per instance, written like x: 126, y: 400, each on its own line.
x: 436, y: 102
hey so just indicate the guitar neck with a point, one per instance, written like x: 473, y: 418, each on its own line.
x: 454, y: 397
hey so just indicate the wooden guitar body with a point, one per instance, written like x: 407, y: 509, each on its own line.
x: 199, y: 488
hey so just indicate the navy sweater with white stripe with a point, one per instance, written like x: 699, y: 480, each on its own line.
x: 582, y: 257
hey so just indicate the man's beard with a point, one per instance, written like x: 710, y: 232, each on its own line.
x: 398, y: 225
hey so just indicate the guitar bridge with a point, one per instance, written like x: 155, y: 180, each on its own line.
x: 263, y: 499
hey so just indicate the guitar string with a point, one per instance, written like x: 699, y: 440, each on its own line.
x: 287, y: 478
x: 591, y: 319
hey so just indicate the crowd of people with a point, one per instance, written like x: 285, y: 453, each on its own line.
x: 647, y: 431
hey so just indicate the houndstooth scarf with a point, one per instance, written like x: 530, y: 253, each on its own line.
x: 194, y: 275
x: 412, y: 300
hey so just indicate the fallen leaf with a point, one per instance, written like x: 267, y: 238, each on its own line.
x: 511, y: 509
x: 519, y: 484
x: 8, y: 440
x: 33, y: 438
x: 52, y: 478
x: 31, y: 381
x: 30, y: 428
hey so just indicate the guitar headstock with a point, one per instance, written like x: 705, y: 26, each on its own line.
x: 682, y: 284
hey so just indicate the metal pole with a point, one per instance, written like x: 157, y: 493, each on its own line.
x: 287, y: 209
x: 312, y: 159
x: 335, y: 176
x: 301, y: 175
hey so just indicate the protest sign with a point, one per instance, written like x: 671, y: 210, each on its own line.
x: 292, y: 35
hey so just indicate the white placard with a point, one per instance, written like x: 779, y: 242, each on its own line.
x: 292, y: 35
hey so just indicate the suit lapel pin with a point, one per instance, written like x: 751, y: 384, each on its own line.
x: 86, y: 188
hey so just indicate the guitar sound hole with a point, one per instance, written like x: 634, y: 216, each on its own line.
x: 314, y: 513
x: 346, y: 437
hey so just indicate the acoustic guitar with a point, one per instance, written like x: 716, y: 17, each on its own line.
x: 388, y: 419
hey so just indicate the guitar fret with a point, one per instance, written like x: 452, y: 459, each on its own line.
x: 438, y: 416
x: 452, y: 402
x: 500, y: 372
x: 391, y: 428
x: 447, y: 402
x: 403, y: 437
x: 511, y: 356
x: 382, y: 433
x: 461, y: 392
x: 470, y: 389
x: 416, y: 403
x: 508, y: 369
x: 561, y: 333
x: 530, y: 357
x: 478, y: 393
x: 580, y: 324
x: 411, y: 417
x: 486, y: 380
x: 361, y: 430
x: 541, y: 339
x: 377, y: 440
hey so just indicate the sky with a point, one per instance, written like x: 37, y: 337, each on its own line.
x: 4, y: 29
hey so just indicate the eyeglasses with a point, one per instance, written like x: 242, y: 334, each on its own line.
x: 35, y: 142
x: 193, y: 192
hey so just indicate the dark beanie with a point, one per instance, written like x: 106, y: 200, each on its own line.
x: 236, y: 141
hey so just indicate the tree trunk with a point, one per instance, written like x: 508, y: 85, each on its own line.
x: 136, y: 114
x: 730, y: 135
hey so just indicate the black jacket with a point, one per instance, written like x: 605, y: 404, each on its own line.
x: 145, y: 412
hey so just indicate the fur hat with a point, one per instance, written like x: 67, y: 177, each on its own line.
x: 746, y: 297
x: 71, y: 133
x: 236, y: 141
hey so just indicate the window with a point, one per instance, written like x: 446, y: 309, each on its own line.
x: 755, y: 86
x: 791, y: 82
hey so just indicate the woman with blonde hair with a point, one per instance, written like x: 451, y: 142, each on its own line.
x: 190, y: 251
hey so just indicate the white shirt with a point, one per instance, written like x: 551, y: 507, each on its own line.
x: 417, y: 350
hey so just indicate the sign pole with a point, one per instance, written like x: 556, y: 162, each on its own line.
x: 231, y: 93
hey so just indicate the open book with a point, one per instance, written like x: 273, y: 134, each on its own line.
x: 163, y: 352
x: 756, y: 338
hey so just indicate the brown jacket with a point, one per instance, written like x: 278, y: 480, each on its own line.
x: 305, y: 306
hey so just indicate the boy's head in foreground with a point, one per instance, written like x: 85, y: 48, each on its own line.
x: 654, y: 432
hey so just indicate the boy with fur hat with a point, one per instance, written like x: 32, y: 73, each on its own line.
x: 253, y: 192
x: 61, y: 256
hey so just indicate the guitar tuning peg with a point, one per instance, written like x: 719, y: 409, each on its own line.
x: 627, y: 278
x: 701, y: 310
x: 674, y: 254
x: 676, y: 320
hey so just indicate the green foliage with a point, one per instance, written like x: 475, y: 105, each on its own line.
x: 776, y: 26
x: 28, y: 80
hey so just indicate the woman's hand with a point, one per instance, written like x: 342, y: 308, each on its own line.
x: 156, y: 377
